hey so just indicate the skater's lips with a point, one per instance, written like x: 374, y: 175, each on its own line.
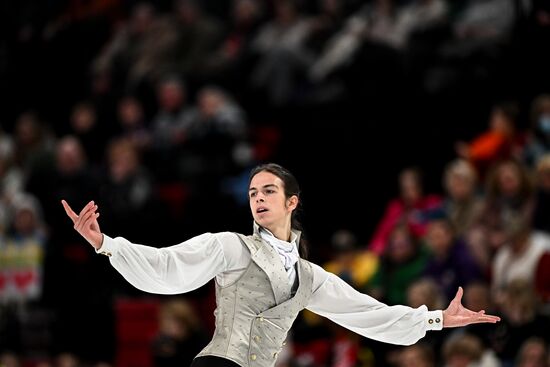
x: 261, y: 209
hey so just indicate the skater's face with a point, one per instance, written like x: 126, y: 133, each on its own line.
x: 269, y: 205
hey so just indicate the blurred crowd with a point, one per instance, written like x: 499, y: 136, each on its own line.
x: 158, y: 110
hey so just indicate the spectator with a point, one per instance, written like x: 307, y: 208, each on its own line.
x: 11, y: 184
x: 348, y: 262
x: 450, y: 263
x: 412, y: 207
x: 418, y: 355
x: 541, y: 212
x: 402, y: 263
x: 477, y: 296
x: 23, y: 253
x: 538, y: 143
x: 280, y: 46
x: 375, y: 22
x: 33, y: 146
x: 463, y: 350
x: 462, y: 204
x: 509, y: 195
x: 517, y: 259
x: 217, y: 128
x: 169, y: 126
x: 425, y: 291
x: 533, y: 353
x: 230, y: 62
x: 131, y: 118
x: 128, y: 188
x: 180, y: 337
x: 198, y: 36
x: 139, y: 51
x: 500, y: 141
x: 521, y: 320
x: 418, y: 16
x: 85, y: 127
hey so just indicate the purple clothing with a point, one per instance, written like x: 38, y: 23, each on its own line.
x: 457, y: 269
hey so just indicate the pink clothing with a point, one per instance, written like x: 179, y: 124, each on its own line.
x: 416, y: 218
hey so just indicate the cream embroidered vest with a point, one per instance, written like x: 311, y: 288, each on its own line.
x: 254, y: 314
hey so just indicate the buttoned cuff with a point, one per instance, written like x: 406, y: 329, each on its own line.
x: 434, y: 320
x: 108, y: 247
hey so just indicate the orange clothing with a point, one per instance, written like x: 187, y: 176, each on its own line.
x: 489, y: 146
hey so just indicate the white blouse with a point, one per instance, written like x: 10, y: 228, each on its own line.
x: 191, y: 264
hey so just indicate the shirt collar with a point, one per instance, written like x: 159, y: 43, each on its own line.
x: 294, y: 234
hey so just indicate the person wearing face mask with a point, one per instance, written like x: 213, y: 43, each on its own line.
x: 263, y: 280
x: 538, y: 142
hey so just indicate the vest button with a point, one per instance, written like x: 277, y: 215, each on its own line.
x: 253, y: 357
x: 257, y: 338
x: 261, y: 318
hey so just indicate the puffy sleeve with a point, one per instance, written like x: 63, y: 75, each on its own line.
x: 336, y: 300
x: 170, y: 270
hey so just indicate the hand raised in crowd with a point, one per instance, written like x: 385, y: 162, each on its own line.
x: 86, y: 223
x: 457, y: 315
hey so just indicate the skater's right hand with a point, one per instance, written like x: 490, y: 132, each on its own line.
x: 86, y: 223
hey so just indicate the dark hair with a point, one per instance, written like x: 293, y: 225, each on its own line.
x: 509, y: 109
x: 291, y: 188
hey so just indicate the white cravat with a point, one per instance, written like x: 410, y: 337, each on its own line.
x: 288, y: 251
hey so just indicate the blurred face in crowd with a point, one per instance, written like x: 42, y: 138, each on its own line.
x: 509, y: 180
x: 178, y: 320
x: 67, y: 360
x: 500, y: 122
x: 330, y: 6
x: 245, y: 11
x: 460, y: 181
x: 414, y: 356
x: 439, y: 238
x: 210, y: 102
x: 25, y: 221
x: 462, y: 351
x: 477, y: 297
x: 171, y: 326
x: 459, y: 188
x: 268, y: 203
x: 409, y: 185
x: 27, y: 129
x: 285, y: 11
x: 142, y: 18
x: 123, y: 161
x: 83, y: 118
x: 69, y: 156
x: 401, y: 247
x: 130, y: 112
x: 171, y: 96
x: 519, y: 304
x: 423, y: 292
x: 187, y: 11
x: 533, y: 353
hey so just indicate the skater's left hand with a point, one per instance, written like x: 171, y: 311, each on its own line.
x: 457, y: 315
